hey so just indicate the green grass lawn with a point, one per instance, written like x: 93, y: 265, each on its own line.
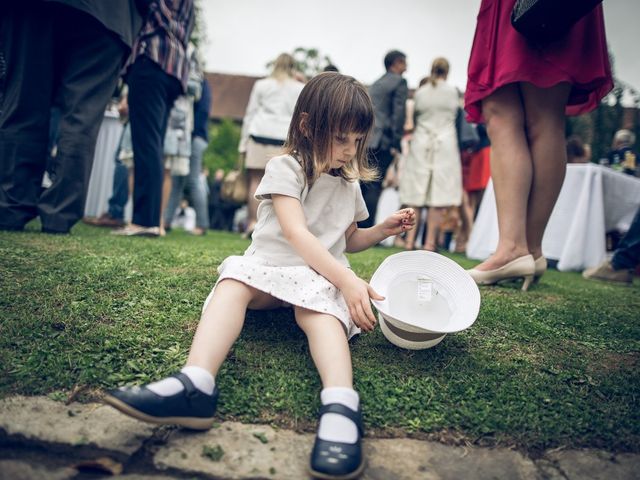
x: 556, y: 366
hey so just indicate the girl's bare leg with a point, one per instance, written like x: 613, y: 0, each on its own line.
x: 329, y: 347
x: 511, y: 171
x: 222, y: 322
x: 545, y: 121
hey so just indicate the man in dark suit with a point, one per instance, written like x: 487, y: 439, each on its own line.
x: 389, y: 95
x: 70, y: 52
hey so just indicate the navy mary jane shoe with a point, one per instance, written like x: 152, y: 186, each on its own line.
x: 189, y: 408
x: 336, y: 460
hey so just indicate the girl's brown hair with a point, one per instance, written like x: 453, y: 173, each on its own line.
x: 330, y: 104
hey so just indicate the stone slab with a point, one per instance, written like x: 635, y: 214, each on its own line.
x: 245, y: 451
x: 19, y: 470
x: 249, y: 451
x: 41, y: 420
x: 597, y: 465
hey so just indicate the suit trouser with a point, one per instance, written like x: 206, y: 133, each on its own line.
x: 51, y: 53
x: 371, y: 191
x: 151, y: 96
x: 627, y: 255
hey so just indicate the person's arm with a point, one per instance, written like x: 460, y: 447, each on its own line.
x: 355, y: 290
x: 359, y: 239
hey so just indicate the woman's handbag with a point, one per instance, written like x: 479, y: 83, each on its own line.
x: 543, y: 21
x: 234, y: 185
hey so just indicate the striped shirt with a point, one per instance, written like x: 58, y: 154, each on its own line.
x: 164, y: 37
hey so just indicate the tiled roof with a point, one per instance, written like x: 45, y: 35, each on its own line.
x: 230, y: 95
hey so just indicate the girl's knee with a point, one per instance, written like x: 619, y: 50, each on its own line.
x: 309, y: 320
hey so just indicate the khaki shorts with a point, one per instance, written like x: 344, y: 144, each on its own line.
x: 176, y: 164
x: 258, y: 154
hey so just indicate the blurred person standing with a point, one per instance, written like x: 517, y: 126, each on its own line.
x: 157, y: 73
x: 622, y: 157
x: 389, y: 95
x: 70, y: 51
x: 194, y: 180
x: 576, y: 150
x: 432, y: 174
x: 266, y: 123
x: 522, y: 90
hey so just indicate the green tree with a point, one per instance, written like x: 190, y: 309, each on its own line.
x: 599, y: 126
x: 222, y: 151
x: 309, y: 61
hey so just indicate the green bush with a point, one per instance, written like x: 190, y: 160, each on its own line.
x: 222, y: 151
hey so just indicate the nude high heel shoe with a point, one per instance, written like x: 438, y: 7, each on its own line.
x: 541, y: 267
x: 522, y: 267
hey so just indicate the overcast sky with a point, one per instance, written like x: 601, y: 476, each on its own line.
x: 243, y: 35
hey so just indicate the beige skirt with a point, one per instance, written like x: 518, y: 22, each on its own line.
x: 258, y: 154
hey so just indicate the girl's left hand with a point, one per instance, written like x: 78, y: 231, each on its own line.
x: 400, y: 221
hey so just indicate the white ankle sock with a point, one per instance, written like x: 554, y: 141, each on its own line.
x: 200, y: 378
x: 334, y: 427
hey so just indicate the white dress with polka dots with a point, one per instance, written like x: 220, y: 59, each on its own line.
x: 271, y: 265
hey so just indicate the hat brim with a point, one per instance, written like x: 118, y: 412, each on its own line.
x: 410, y: 340
x: 450, y: 280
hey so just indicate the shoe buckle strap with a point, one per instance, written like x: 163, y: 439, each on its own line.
x: 338, y: 408
x: 190, y: 389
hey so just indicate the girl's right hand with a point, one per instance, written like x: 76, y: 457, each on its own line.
x: 357, y: 293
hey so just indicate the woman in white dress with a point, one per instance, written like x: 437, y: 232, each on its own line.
x: 432, y: 174
x: 265, y: 125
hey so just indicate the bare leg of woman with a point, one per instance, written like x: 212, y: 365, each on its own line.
x: 410, y: 240
x: 166, y: 192
x: 511, y: 170
x: 545, y: 120
x: 222, y: 322
x: 466, y: 223
x: 254, y: 177
x: 433, y: 225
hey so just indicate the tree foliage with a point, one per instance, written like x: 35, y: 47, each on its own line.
x: 599, y: 126
x: 222, y: 151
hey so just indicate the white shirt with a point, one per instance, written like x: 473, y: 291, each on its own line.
x: 330, y: 206
x: 270, y: 109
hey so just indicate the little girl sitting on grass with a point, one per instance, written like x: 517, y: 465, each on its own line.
x: 311, y: 202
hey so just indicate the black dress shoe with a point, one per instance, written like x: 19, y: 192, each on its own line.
x: 189, y: 408
x: 336, y: 460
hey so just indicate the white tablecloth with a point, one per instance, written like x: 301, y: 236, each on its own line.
x: 593, y: 200
x: 101, y: 181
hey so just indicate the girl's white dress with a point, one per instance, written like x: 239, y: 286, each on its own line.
x: 271, y: 265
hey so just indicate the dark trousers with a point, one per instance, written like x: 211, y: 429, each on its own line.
x: 120, y: 192
x: 371, y: 191
x: 151, y: 96
x: 627, y: 254
x: 50, y: 51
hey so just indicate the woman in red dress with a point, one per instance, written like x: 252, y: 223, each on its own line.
x: 522, y: 92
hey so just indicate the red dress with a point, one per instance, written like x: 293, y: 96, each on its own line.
x: 500, y: 55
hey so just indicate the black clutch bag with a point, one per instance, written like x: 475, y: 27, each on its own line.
x: 543, y: 21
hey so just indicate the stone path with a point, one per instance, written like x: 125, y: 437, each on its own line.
x: 44, y: 439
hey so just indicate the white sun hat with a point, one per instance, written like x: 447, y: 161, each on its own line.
x: 426, y: 295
